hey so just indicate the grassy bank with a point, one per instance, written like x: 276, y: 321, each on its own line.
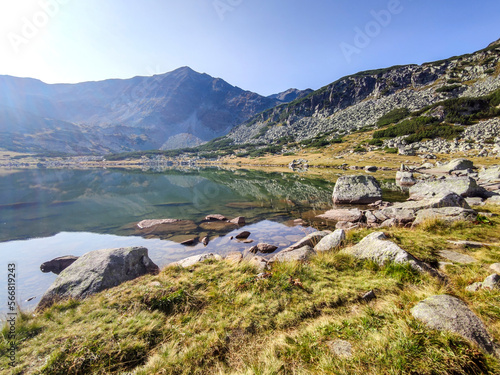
x: 222, y: 318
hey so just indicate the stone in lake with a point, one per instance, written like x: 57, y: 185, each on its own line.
x: 205, y: 240
x: 243, y: 235
x: 165, y: 226
x: 99, y: 270
x: 264, y: 248
x: 57, y: 265
x: 356, y: 190
x: 189, y: 242
x: 218, y: 226
x: 351, y: 215
x: 240, y: 220
x: 215, y: 217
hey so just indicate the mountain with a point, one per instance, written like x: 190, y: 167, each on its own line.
x: 290, y: 95
x: 359, y: 100
x: 177, y: 109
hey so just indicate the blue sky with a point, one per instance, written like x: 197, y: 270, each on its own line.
x: 265, y: 46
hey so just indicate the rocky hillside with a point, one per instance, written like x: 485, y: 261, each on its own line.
x: 177, y: 109
x: 290, y: 95
x: 358, y: 101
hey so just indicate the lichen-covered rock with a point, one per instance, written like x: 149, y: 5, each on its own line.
x: 490, y: 174
x: 301, y: 254
x: 463, y: 186
x: 356, y: 189
x: 99, y: 270
x: 446, y: 214
x: 331, y: 241
x: 378, y: 248
x: 448, y: 313
x: 458, y: 165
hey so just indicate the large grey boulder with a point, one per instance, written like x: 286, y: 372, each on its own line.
x: 99, y: 270
x: 331, y: 241
x: 447, y: 313
x: 405, y: 179
x: 302, y: 254
x: 446, y: 214
x: 458, y: 165
x: 378, y: 248
x: 463, y: 186
x: 356, y: 189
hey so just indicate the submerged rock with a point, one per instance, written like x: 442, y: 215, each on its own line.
x: 356, y: 189
x: 99, y: 270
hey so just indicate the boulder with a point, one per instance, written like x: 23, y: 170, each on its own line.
x: 240, y: 220
x: 205, y: 240
x: 57, y: 265
x: 371, y: 168
x: 495, y: 267
x: 492, y: 282
x: 263, y: 248
x: 458, y: 165
x: 448, y: 313
x: 405, y: 179
x: 351, y: 215
x: 400, y: 215
x: 493, y: 200
x: 378, y: 248
x: 446, y: 214
x: 463, y: 186
x: 331, y: 241
x: 448, y: 200
x: 356, y: 189
x: 189, y: 242
x: 490, y: 174
x: 99, y: 270
x: 191, y: 261
x: 301, y: 254
x: 218, y: 226
x: 309, y: 240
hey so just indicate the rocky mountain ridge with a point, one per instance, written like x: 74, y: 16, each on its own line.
x: 176, y: 109
x: 358, y: 101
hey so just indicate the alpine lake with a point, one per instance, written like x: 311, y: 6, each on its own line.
x: 48, y: 213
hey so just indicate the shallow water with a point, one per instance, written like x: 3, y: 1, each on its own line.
x: 50, y: 213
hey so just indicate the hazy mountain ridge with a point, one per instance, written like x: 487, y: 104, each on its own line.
x: 119, y: 115
x: 359, y: 100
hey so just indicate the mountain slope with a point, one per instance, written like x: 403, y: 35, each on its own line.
x: 359, y: 100
x: 290, y: 95
x: 120, y: 115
